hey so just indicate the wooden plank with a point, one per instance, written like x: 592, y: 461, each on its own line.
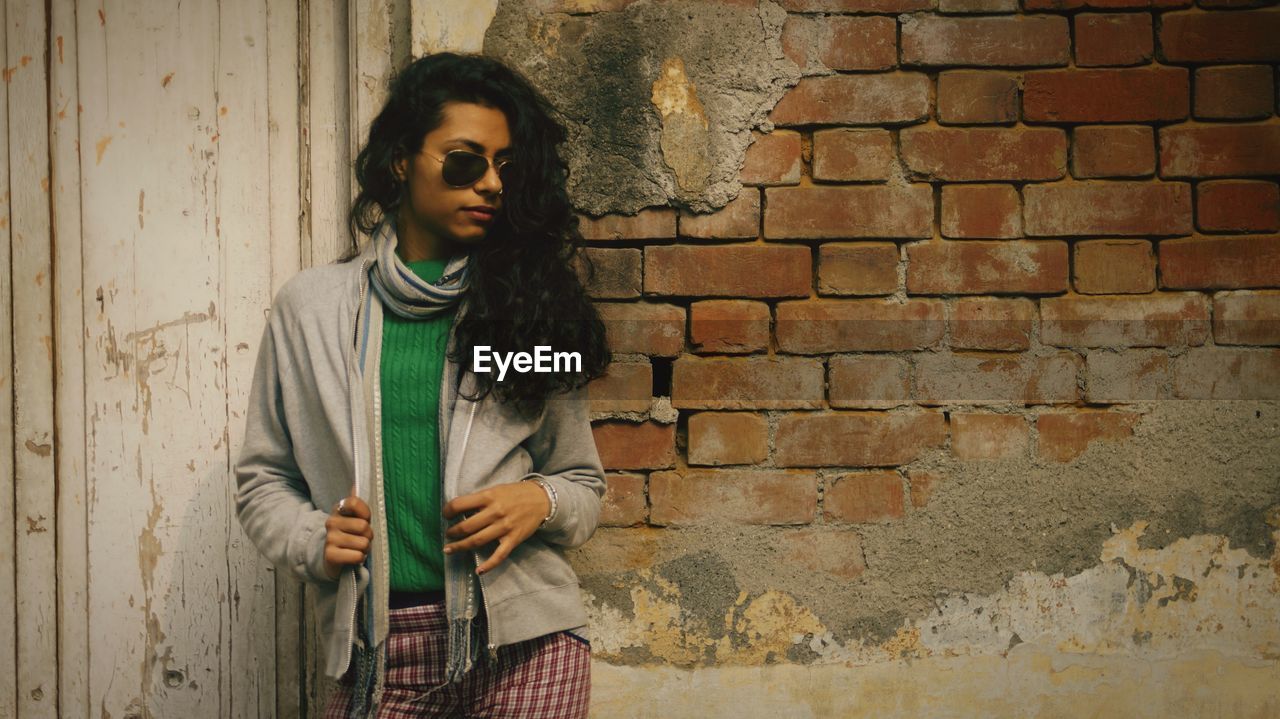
x: 243, y: 211
x: 328, y: 132
x: 157, y: 447
x: 284, y: 598
x: 69, y: 410
x: 32, y: 270
x: 8, y: 536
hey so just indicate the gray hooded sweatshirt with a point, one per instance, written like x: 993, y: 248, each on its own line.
x: 307, y: 444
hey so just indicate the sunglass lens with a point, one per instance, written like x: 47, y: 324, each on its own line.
x: 463, y: 168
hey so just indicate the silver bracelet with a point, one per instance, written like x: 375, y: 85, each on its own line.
x: 551, y: 495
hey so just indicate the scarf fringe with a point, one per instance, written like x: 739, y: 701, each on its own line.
x: 370, y: 663
x: 468, y: 635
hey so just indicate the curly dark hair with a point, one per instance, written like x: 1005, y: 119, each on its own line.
x: 524, y: 290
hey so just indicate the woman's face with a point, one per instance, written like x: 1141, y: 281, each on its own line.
x: 436, y: 208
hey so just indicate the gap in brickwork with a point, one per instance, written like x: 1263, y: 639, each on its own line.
x: 661, y: 376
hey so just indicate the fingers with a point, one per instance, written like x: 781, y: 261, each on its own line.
x: 492, y: 532
x: 458, y: 505
x: 349, y: 525
x: 499, y: 554
x: 352, y: 506
x: 474, y: 523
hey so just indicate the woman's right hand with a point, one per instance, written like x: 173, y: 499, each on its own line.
x: 348, y: 536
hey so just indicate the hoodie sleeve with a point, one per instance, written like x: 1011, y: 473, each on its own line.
x: 273, y: 501
x: 564, y: 454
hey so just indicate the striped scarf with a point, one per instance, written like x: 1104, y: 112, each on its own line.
x: 411, y: 297
x: 403, y: 292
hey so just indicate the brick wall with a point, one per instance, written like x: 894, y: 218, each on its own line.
x: 977, y: 227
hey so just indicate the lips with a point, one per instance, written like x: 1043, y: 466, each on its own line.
x: 481, y: 209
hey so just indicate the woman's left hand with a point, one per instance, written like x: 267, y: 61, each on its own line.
x: 507, y: 514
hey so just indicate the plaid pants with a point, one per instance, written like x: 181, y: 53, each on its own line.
x: 547, y: 677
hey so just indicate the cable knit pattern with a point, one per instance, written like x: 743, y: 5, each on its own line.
x: 412, y: 360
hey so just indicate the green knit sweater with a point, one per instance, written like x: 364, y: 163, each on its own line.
x: 412, y: 362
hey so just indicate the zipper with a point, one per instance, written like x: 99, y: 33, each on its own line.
x: 355, y: 450
x: 384, y: 570
x: 484, y: 596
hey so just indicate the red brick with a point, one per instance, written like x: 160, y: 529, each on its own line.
x: 617, y: 273
x: 1107, y: 208
x: 1030, y: 5
x: 632, y: 445
x: 979, y: 267
x: 1135, y: 374
x: 803, y: 41
x: 715, y: 496
x: 772, y: 159
x: 1063, y: 437
x: 1246, y: 318
x: 1164, y: 319
x: 869, y: 381
x: 729, y: 326
x: 1113, y: 39
x: 1108, y: 267
x: 856, y: 439
x: 821, y: 326
x: 977, y: 96
x: 626, y: 387
x: 848, y: 6
x: 1219, y: 150
x: 991, y: 323
x: 859, y: 43
x: 977, y: 6
x: 746, y: 383
x: 845, y: 154
x: 993, y: 41
x: 981, y: 436
x: 985, y: 153
x: 644, y: 328
x: 624, y: 501
x: 1240, y: 92
x: 649, y: 223
x: 1113, y: 151
x: 740, y: 219
x: 1116, y: 95
x: 1205, y: 37
x: 1227, y: 373
x: 857, y: 268
x: 986, y: 211
x: 864, y: 497
x: 737, y: 270
x: 858, y: 99
x: 922, y: 484
x: 974, y: 379
x: 823, y: 550
x: 1238, y: 206
x: 728, y: 438
x: 1220, y: 262
x: 878, y: 211
x: 1232, y: 4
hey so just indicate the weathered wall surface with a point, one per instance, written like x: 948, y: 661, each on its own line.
x: 961, y: 400
x: 948, y: 341
x: 167, y: 167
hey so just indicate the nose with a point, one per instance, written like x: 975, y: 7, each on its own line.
x: 491, y: 183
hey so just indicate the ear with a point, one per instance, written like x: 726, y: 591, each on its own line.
x: 398, y: 168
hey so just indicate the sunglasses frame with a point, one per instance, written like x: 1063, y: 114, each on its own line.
x: 496, y: 164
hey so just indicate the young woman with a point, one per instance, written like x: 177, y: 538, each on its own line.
x: 425, y: 501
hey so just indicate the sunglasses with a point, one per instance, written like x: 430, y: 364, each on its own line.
x: 462, y: 168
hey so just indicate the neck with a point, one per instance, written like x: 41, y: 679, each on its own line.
x: 414, y: 243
